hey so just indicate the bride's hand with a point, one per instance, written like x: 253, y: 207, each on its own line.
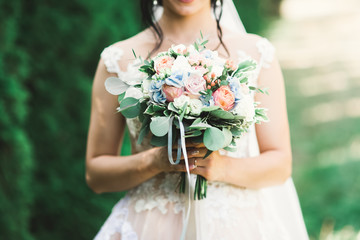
x: 213, y: 167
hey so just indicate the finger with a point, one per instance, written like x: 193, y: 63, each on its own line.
x: 202, y: 171
x: 196, y: 152
x: 181, y: 166
x: 200, y: 162
x: 191, y: 153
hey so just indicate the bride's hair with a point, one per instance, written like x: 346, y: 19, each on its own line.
x: 148, y: 18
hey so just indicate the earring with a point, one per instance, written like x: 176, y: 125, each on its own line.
x: 218, y: 3
x: 155, y: 3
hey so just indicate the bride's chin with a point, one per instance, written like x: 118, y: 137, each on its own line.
x: 185, y: 7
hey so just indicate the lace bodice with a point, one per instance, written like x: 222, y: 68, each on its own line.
x: 160, y: 190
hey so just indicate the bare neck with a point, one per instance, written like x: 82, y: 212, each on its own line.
x: 185, y: 29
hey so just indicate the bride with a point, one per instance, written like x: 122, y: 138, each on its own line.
x: 251, y: 194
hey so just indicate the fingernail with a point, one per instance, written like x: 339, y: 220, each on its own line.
x: 194, y: 152
x: 192, y: 167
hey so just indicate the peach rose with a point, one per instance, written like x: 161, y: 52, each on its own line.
x: 224, y: 98
x: 171, y: 92
x: 162, y: 63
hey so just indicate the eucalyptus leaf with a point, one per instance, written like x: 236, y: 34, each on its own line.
x: 193, y: 133
x: 222, y: 114
x: 200, y: 125
x: 130, y: 107
x: 115, y: 85
x: 228, y: 137
x: 149, y: 110
x: 213, y: 138
x: 230, y: 149
x: 159, y: 141
x: 236, y: 132
x: 121, y: 96
x: 208, y: 153
x: 145, y: 129
x: 210, y: 108
x: 171, y: 107
x: 159, y: 126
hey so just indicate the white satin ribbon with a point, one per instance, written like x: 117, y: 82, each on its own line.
x: 181, y: 146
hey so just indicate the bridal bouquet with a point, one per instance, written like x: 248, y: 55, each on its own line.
x: 190, y: 92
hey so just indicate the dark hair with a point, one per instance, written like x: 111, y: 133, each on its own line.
x: 148, y: 18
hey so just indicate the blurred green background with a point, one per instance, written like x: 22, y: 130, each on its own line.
x: 48, y: 54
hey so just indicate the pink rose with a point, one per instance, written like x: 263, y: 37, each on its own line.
x: 224, y: 98
x: 200, y: 69
x: 171, y: 92
x: 195, y: 58
x: 163, y: 62
x: 195, y: 83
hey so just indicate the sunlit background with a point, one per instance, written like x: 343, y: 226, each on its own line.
x: 49, y: 50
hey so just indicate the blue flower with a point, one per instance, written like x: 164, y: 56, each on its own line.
x: 176, y: 79
x: 156, y: 93
x: 208, y: 54
x: 208, y: 103
x: 155, y: 86
x: 158, y: 97
x: 235, y: 87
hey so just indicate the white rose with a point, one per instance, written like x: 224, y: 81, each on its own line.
x: 180, y: 101
x: 145, y: 87
x: 181, y: 64
x: 217, y: 69
x: 191, y: 49
x: 133, y: 92
x: 195, y: 106
x: 245, y: 107
x: 179, y: 48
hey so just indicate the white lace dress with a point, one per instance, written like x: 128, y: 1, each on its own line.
x: 155, y: 211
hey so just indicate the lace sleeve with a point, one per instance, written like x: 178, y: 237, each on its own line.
x: 111, y: 55
x: 267, y: 52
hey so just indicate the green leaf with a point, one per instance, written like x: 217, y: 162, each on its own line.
x: 159, y: 141
x: 222, y: 114
x: 115, y: 85
x: 145, y: 128
x: 159, y: 126
x: 193, y: 133
x: 210, y: 108
x: 171, y: 107
x: 130, y: 107
x: 228, y: 137
x: 244, y: 80
x: 149, y: 110
x: 224, y: 83
x: 158, y: 108
x: 230, y: 149
x: 200, y: 125
x: 121, y: 97
x: 134, y: 52
x: 207, y: 154
x: 213, y: 138
x: 236, y: 132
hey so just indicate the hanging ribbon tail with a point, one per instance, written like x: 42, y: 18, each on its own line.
x: 171, y: 160
x: 181, y: 147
